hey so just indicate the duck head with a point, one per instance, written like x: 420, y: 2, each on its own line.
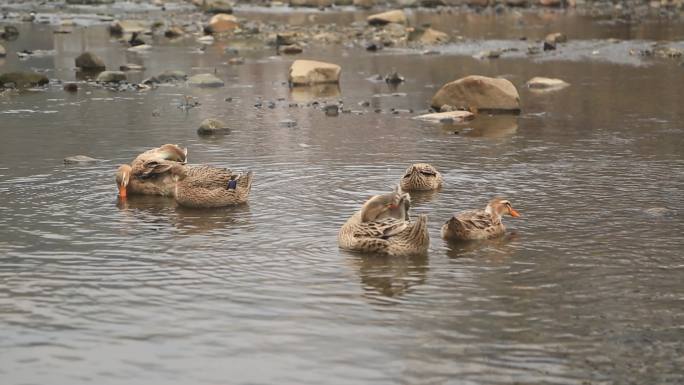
x: 123, y: 176
x: 500, y: 206
x: 395, y: 204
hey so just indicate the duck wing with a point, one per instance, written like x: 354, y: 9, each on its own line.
x: 474, y: 220
x: 208, y: 177
x: 382, y: 229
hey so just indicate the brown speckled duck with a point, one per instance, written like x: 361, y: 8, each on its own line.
x: 136, y: 179
x: 382, y: 226
x: 479, y: 224
x: 205, y: 186
x: 421, y: 177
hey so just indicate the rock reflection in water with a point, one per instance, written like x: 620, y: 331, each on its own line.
x: 309, y: 93
x: 498, y: 249
x: 493, y: 126
x: 390, y: 277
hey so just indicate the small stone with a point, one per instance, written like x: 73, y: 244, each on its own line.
x: 546, y: 84
x: 394, y: 78
x: 493, y: 54
x: 174, y: 32
x: 451, y: 116
x: 555, y: 38
x: 374, y: 47
x: 217, y: 6
x: 331, y: 110
x: 306, y: 72
x: 364, y: 103
x: 79, y: 159
x: 288, y: 123
x: 396, y: 16
x: 549, y: 46
x: 88, y: 61
x: 170, y: 76
x: 3, y: 51
x: 286, y: 38
x: 205, y: 80
x: 9, y: 32
x: 70, y: 87
x: 131, y: 67
x: 211, y: 126
x: 292, y: 49
x: 221, y: 23
x: 111, y: 77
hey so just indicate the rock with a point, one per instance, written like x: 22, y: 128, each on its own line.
x: 288, y: 123
x: 170, y: 76
x: 3, y: 52
x: 131, y: 67
x: 205, y: 80
x: 120, y: 27
x: 397, y: 16
x: 433, y: 3
x: 23, y: 79
x: 550, y: 3
x: 290, y: 49
x: 343, y: 3
x: 331, y: 110
x: 221, y: 23
x: 217, y: 6
x: 374, y: 47
x: 70, y: 87
x: 286, y: 38
x: 111, y: 77
x: 328, y: 37
x: 88, y: 61
x: 493, y: 54
x: 236, y: 61
x: 548, y: 46
x: 306, y: 72
x: 174, y: 32
x: 364, y: 4
x: 9, y: 32
x: 311, y: 3
x: 428, y: 36
x: 454, y: 116
x: 555, y: 38
x: 212, y: 126
x: 516, y: 3
x: 479, y: 92
x: 394, y: 78
x: 140, y: 48
x: 79, y: 159
x: 206, y: 39
x: 546, y: 84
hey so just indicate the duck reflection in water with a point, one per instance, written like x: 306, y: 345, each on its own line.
x: 497, y: 249
x: 385, y: 277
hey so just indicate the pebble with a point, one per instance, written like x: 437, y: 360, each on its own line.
x: 79, y: 159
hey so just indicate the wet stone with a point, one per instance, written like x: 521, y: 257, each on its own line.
x: 22, y: 79
x: 79, y: 159
x: 211, y: 126
x: 394, y: 78
x: 70, y: 87
x: 111, y: 77
x: 331, y: 109
x: 288, y: 123
x: 205, y: 80
x: 131, y: 67
x: 89, y: 61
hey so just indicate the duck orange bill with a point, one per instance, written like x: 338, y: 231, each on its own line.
x: 122, y: 191
x: 514, y: 213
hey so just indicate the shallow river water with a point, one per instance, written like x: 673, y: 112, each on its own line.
x: 587, y: 288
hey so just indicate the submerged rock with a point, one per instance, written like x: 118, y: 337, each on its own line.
x: 169, y: 76
x: 555, y: 38
x: 211, y: 126
x: 88, y: 61
x: 221, y: 23
x: 311, y: 3
x: 131, y: 67
x: 453, y: 116
x: 292, y: 49
x: 217, y: 6
x: 9, y: 32
x: 306, y: 72
x: 331, y: 110
x: 22, y: 79
x: 120, y: 27
x: 174, y: 32
x: 493, y: 54
x: 546, y: 84
x: 396, y: 16
x: 111, y: 77
x: 205, y: 80
x: 479, y: 92
x: 70, y: 87
x: 79, y: 159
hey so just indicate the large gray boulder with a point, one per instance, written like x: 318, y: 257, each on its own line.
x: 479, y: 93
x: 88, y: 61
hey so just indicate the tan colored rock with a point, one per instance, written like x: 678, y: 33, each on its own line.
x: 221, y: 23
x: 306, y: 72
x: 550, y: 3
x: 554, y: 38
x: 174, y: 32
x: 397, y: 16
x: 479, y: 93
x: 430, y: 37
x: 546, y: 84
x: 456, y: 116
x: 311, y: 3
x: 364, y: 4
x: 119, y: 27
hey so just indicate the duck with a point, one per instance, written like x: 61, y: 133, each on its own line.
x: 136, y: 179
x: 204, y: 186
x: 479, y: 224
x: 421, y: 177
x: 382, y: 226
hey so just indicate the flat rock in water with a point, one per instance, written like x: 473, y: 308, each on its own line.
x: 292, y: 49
x: 131, y: 67
x: 397, y: 16
x: 456, y: 116
x: 88, y: 61
x: 205, y: 80
x: 23, y: 79
x: 111, y: 77
x: 546, y: 84
x: 170, y: 76
x: 306, y: 72
x: 79, y: 159
x: 479, y: 92
x: 140, y: 48
x: 211, y: 126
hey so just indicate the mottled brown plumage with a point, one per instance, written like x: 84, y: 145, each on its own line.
x: 206, y: 186
x: 421, y: 177
x: 479, y: 224
x: 382, y: 226
x: 138, y: 178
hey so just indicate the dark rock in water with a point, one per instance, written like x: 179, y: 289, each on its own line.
x: 373, y: 47
x: 212, y: 126
x: 89, y: 2
x: 290, y: 49
x: 433, y: 3
x: 364, y: 103
x: 9, y: 32
x: 111, y: 77
x: 88, y: 61
x: 217, y: 6
x: 70, y: 87
x: 331, y: 110
x: 394, y: 78
x: 135, y: 40
x: 549, y: 46
x: 170, y: 76
x: 286, y: 38
x: 173, y: 32
x: 288, y: 123
x: 79, y: 159
x: 22, y: 79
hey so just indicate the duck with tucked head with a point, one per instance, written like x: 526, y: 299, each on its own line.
x: 204, y: 186
x: 136, y: 179
x: 382, y: 226
x: 421, y: 177
x: 479, y: 224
